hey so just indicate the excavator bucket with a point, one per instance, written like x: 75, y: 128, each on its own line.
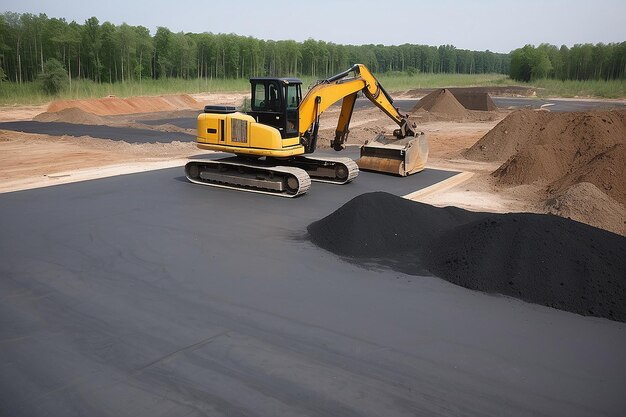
x: 395, y: 156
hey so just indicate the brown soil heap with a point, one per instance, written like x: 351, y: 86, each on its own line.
x: 585, y: 203
x: 443, y: 102
x: 474, y: 100
x: 509, y: 136
x: 70, y: 115
x: 114, y: 105
x: 562, y: 149
x: 568, y: 148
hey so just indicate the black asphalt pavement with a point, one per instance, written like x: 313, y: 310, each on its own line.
x: 145, y: 295
x: 554, y: 105
x: 184, y: 122
x: 126, y: 134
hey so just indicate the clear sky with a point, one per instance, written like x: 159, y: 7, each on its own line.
x: 499, y: 26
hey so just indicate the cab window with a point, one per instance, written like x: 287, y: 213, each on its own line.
x: 293, y: 96
x: 266, y: 98
x: 259, y: 97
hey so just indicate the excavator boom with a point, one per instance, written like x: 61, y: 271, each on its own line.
x: 403, y: 155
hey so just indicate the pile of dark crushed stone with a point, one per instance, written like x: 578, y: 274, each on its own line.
x: 542, y: 259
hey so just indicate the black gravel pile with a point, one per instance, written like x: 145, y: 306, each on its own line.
x: 542, y: 259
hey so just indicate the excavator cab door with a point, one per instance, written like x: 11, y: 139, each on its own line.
x: 267, y: 103
x: 293, y: 97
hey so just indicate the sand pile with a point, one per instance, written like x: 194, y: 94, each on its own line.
x: 585, y: 203
x: 564, y: 149
x: 114, y: 105
x: 474, y: 100
x: 441, y: 102
x: 542, y: 259
x: 509, y: 136
x: 70, y: 115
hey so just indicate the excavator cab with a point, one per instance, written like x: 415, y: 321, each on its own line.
x: 275, y: 103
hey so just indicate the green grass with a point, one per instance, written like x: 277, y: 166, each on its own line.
x: 399, y: 82
x: 27, y: 93
x: 571, y: 88
x: 31, y: 93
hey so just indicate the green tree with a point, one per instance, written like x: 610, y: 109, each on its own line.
x: 53, y: 77
x: 540, y: 65
x: 530, y: 63
x: 162, y: 52
x: 92, y: 45
x: 520, y: 64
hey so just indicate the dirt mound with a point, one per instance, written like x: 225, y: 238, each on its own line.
x: 570, y: 148
x: 473, y: 100
x: 509, y: 136
x: 442, y: 102
x: 542, y: 259
x: 114, y: 105
x: 586, y: 203
x: 70, y: 115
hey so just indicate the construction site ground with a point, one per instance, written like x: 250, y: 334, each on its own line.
x: 144, y: 294
x: 84, y: 143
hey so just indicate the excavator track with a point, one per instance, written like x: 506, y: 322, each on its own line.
x: 330, y: 170
x: 284, y: 181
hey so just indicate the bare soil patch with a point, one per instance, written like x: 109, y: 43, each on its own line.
x: 70, y: 115
x: 115, y: 105
x: 17, y: 113
x: 32, y: 160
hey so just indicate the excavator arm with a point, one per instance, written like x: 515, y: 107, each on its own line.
x: 404, y: 154
x: 327, y: 92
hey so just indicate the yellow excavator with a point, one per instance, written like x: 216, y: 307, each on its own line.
x: 270, y: 141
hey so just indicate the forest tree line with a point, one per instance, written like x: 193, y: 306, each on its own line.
x: 580, y: 62
x: 108, y: 53
x: 104, y: 52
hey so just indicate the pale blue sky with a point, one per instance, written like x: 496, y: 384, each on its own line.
x: 499, y: 26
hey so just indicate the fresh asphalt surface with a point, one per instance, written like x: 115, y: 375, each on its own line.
x: 145, y: 295
x: 130, y: 135
x: 183, y: 122
x: 554, y: 105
